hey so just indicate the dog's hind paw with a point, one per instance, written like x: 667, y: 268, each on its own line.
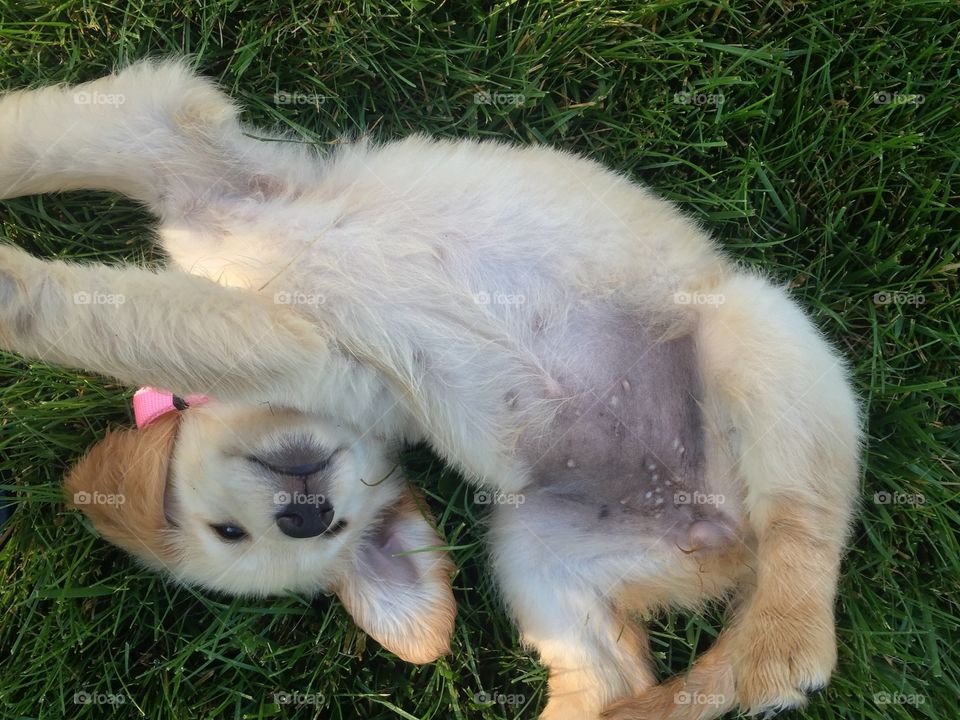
x: 780, y: 664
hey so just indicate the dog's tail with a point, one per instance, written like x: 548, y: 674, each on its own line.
x: 705, y: 692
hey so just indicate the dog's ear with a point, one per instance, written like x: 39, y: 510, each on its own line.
x: 120, y: 483
x: 398, y: 591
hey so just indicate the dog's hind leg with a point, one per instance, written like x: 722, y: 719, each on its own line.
x: 795, y: 428
x: 787, y: 394
x: 566, y: 609
x: 155, y: 131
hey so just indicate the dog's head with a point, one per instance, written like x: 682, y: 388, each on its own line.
x: 260, y: 501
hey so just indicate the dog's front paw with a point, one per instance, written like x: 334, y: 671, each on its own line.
x: 27, y: 290
x: 12, y: 287
x: 779, y: 661
x: 15, y: 264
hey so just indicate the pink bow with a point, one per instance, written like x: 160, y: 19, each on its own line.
x: 150, y: 403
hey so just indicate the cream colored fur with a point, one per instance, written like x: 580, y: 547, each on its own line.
x: 368, y: 292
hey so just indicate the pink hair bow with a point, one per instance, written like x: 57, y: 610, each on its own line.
x: 150, y: 404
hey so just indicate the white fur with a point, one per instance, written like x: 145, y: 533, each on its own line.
x: 392, y: 250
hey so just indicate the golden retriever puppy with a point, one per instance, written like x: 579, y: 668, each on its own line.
x: 258, y: 501
x: 652, y: 425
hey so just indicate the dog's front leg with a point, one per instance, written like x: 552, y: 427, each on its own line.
x: 167, y: 329
x: 155, y: 131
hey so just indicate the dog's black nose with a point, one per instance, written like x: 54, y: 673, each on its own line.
x: 303, y: 517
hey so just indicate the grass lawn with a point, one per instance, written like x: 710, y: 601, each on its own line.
x: 817, y: 140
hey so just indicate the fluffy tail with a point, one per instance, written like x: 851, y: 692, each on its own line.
x: 704, y: 692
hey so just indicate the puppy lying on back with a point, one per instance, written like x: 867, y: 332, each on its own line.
x: 657, y: 427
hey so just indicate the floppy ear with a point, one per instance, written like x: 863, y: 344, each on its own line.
x: 404, y: 601
x: 119, y: 484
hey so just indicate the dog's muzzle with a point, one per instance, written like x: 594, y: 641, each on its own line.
x: 304, y: 518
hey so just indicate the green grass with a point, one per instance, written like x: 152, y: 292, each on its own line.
x: 798, y: 171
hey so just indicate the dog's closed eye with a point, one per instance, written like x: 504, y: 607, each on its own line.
x: 230, y: 533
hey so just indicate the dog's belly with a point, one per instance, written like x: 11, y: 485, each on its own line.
x: 626, y: 447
